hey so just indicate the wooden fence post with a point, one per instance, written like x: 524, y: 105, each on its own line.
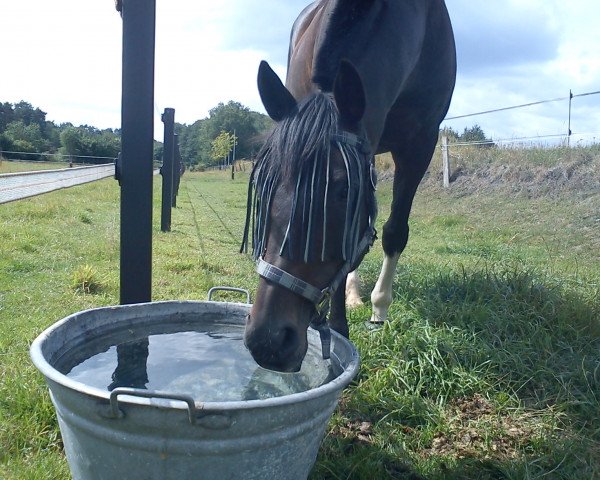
x: 445, y: 161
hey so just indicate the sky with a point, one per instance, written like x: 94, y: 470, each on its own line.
x: 64, y: 56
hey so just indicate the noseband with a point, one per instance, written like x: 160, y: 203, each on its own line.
x: 350, y: 145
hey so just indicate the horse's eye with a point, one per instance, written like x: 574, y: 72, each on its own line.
x: 340, y: 194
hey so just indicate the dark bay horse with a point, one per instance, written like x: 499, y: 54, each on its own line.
x: 364, y: 77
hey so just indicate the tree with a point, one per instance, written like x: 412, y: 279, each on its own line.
x: 222, y: 145
x: 450, y: 133
x: 20, y: 137
x: 7, y: 115
x: 25, y: 128
x: 24, y: 111
x: 475, y: 134
x: 195, y: 141
x: 89, y: 142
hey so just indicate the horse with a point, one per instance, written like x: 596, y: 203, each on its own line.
x: 364, y: 77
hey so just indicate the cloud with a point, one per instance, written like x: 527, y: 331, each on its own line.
x: 513, y: 52
x: 504, y: 35
x: 263, y: 24
x: 64, y: 56
x: 212, y: 55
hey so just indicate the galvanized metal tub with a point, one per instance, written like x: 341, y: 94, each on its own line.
x: 134, y: 433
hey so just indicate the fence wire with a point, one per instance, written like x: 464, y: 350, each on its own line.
x: 514, y: 107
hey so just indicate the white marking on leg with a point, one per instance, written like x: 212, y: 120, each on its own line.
x: 353, y: 290
x: 381, y: 296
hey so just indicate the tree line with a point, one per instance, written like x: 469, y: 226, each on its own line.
x: 26, y: 134
x: 25, y: 130
x: 202, y: 144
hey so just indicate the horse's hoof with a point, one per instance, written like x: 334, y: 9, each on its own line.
x: 373, y: 325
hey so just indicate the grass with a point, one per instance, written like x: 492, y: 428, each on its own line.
x: 488, y: 369
x: 532, y: 156
x: 7, y: 166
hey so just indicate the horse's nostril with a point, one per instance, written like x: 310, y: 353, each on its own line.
x: 274, y: 348
x: 289, y: 340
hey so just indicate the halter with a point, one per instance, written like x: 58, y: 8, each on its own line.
x: 319, y: 297
x: 357, y: 150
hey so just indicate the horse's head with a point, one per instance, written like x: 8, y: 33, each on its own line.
x: 312, y: 211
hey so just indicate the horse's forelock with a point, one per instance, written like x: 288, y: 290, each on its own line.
x: 296, y: 149
x: 296, y: 139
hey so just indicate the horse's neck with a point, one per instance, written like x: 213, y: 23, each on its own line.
x: 302, y: 51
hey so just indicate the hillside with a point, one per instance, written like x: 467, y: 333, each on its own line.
x: 532, y: 172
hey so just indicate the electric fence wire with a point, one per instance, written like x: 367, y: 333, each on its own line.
x: 514, y: 107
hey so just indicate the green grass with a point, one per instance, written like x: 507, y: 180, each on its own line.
x: 488, y: 369
x: 7, y: 166
x: 532, y: 156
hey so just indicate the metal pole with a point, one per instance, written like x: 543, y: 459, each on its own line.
x: 570, y: 132
x: 233, y: 157
x: 167, y: 169
x: 176, y: 169
x: 137, y: 132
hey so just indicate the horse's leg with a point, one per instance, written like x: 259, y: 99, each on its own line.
x: 353, y: 290
x: 411, y: 164
x: 381, y: 296
x: 337, y: 311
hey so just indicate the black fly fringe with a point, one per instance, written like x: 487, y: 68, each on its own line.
x: 298, y: 155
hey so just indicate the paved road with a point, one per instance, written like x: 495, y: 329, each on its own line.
x: 14, y: 186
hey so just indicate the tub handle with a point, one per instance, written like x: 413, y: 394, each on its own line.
x: 214, y: 420
x: 229, y: 289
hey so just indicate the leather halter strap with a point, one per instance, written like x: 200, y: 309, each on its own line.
x: 287, y: 280
x: 304, y: 289
x: 318, y: 297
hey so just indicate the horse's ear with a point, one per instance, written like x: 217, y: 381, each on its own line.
x: 349, y: 94
x: 278, y: 101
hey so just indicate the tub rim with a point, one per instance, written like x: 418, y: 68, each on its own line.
x: 50, y: 373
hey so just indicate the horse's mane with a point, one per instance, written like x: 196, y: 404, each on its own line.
x: 342, y: 35
x: 297, y: 138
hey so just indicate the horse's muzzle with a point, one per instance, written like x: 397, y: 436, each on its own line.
x: 279, y: 347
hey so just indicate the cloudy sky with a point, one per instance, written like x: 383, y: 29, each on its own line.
x: 64, y: 57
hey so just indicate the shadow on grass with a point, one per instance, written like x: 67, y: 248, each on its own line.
x: 540, y: 337
x: 349, y: 458
x: 490, y: 373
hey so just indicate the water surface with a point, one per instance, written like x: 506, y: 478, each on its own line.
x: 210, y: 365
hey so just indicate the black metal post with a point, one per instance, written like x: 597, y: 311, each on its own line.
x: 137, y: 132
x: 176, y: 170
x: 167, y: 169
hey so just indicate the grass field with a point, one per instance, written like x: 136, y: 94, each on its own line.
x: 7, y: 166
x: 488, y: 369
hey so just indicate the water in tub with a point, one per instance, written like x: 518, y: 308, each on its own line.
x: 208, y: 365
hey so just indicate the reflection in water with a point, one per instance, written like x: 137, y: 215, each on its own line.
x: 131, y: 368
x: 267, y: 384
x: 209, y: 366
